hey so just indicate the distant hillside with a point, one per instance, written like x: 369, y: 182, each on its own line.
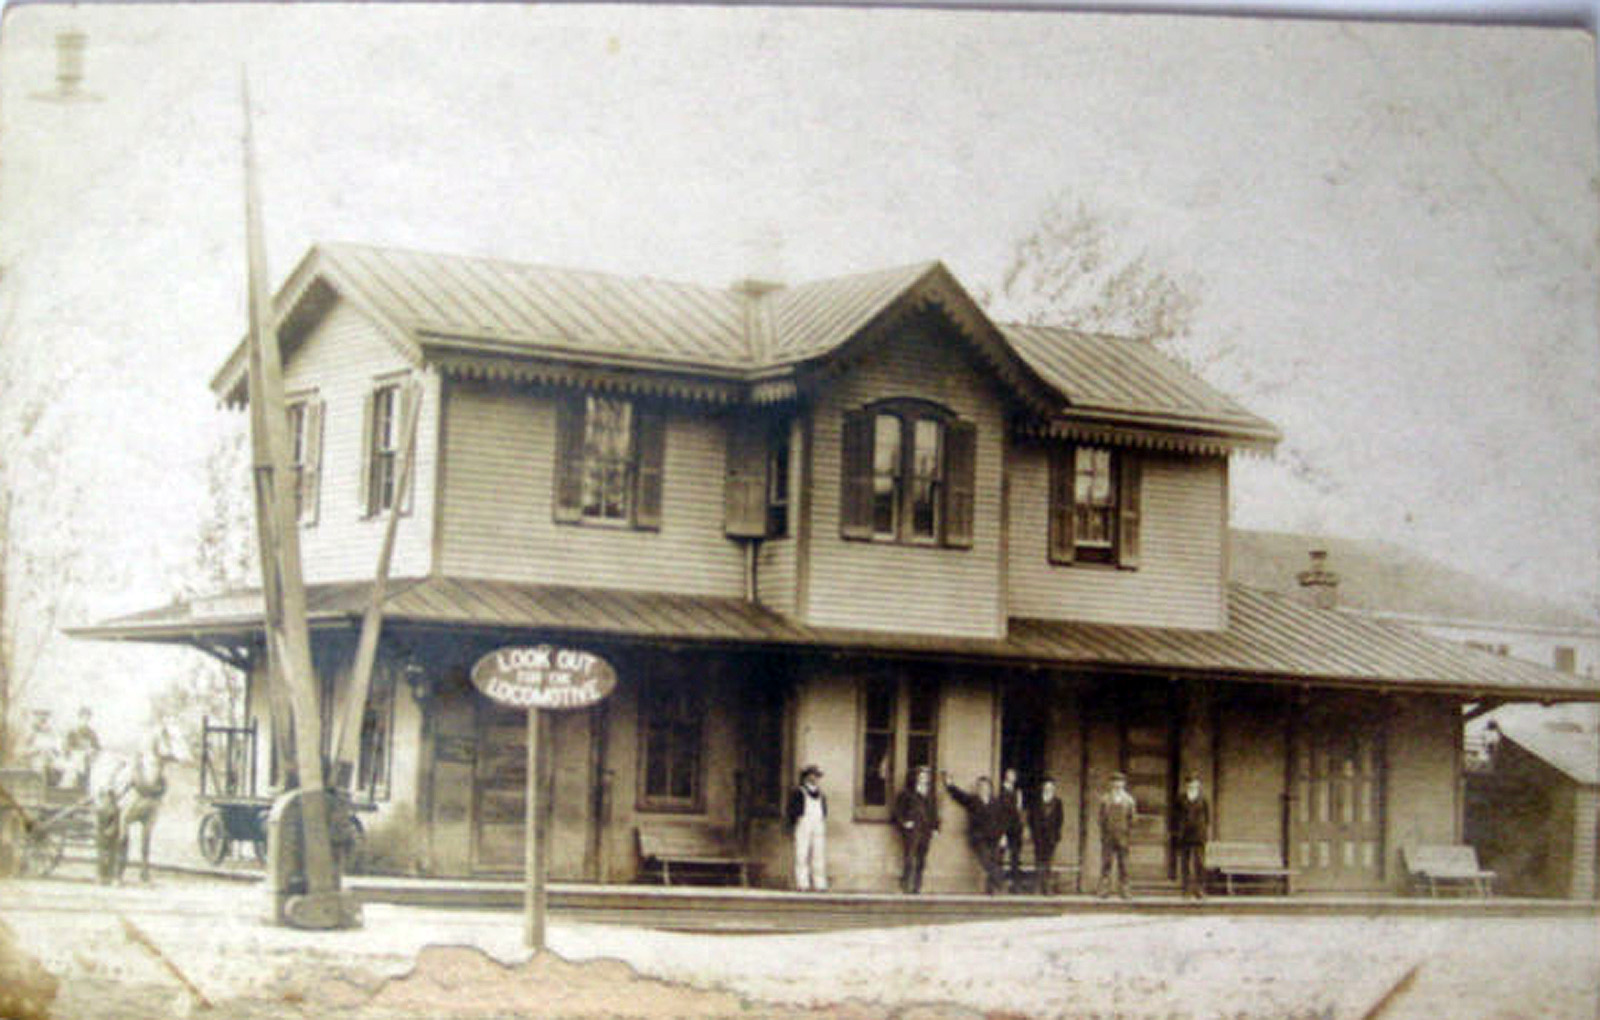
x: 1383, y: 577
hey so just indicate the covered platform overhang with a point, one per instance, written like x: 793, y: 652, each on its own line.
x: 1268, y: 638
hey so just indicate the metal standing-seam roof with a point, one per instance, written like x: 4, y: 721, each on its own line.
x: 467, y: 307
x: 1268, y: 637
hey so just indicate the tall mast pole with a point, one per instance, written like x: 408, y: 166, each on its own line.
x: 283, y: 585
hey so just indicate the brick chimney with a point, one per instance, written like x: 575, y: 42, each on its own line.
x: 1320, y: 583
x: 69, y: 61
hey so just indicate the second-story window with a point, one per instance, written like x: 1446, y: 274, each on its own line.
x: 908, y: 474
x: 380, y: 474
x: 609, y: 454
x: 305, y: 455
x: 1094, y: 506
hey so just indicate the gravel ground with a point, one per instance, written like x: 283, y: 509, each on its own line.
x: 1126, y: 966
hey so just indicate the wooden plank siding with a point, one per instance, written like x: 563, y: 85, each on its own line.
x: 875, y: 585
x: 1179, y: 579
x: 497, y: 518
x: 340, y: 361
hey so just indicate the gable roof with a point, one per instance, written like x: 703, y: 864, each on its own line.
x: 1381, y: 577
x: 1268, y: 637
x: 490, y: 316
x: 1565, y: 737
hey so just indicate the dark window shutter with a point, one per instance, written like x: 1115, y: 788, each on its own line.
x: 960, y: 470
x: 855, y: 483
x: 650, y: 448
x: 1129, y: 497
x: 745, y: 491
x: 311, y: 493
x: 364, y: 495
x: 1062, y: 497
x: 410, y: 403
x: 568, y: 502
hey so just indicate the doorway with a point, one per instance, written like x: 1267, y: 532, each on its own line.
x: 1337, y: 770
x: 1024, y: 731
x: 1148, y: 736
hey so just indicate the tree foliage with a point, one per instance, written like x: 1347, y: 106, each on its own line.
x: 1076, y: 270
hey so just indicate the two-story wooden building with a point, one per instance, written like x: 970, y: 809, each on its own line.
x: 854, y: 523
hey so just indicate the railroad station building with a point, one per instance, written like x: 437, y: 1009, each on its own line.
x: 854, y: 523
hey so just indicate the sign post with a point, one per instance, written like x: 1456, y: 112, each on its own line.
x: 535, y: 678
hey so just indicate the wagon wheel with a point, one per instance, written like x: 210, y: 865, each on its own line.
x: 260, y: 842
x: 213, y: 837
x: 42, y: 850
x: 11, y: 837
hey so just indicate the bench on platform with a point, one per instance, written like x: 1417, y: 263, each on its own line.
x: 1447, y: 866
x: 680, y: 850
x: 1254, y: 864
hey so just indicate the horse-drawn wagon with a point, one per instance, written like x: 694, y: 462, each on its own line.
x: 39, y: 818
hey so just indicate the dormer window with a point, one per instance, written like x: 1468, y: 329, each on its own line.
x: 908, y: 474
x: 384, y: 414
x: 1094, y: 506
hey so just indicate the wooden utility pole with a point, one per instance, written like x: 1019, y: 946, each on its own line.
x: 347, y: 728
x: 283, y: 586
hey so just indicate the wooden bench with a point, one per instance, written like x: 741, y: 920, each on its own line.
x: 1259, y: 864
x: 680, y: 850
x: 1448, y: 866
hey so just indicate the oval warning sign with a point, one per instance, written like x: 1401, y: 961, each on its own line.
x: 544, y: 676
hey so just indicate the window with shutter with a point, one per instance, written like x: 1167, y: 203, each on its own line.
x: 383, y: 448
x: 305, y: 455
x: 1095, y: 502
x: 908, y: 469
x: 610, y: 459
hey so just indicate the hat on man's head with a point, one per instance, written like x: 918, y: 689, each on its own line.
x: 809, y: 771
x: 1191, y: 778
x: 1118, y: 777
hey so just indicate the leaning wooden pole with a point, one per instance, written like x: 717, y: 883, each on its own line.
x: 347, y: 728
x: 320, y: 905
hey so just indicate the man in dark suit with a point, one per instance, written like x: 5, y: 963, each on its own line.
x: 986, y: 824
x: 1044, y: 822
x: 1192, y: 826
x: 916, y: 817
x: 1011, y: 803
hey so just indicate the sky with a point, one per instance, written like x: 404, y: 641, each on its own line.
x: 1390, y: 229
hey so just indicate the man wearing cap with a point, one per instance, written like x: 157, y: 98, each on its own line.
x: 916, y: 816
x: 1192, y: 824
x: 807, y: 815
x: 1117, y: 811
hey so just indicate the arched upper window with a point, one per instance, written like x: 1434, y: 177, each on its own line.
x: 908, y: 474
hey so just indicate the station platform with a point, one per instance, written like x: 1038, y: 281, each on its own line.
x: 733, y: 909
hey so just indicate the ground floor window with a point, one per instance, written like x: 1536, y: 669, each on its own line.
x: 672, y: 736
x: 899, y: 726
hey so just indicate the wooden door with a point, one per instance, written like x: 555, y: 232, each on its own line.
x: 1149, y: 739
x: 500, y: 778
x: 1337, y: 819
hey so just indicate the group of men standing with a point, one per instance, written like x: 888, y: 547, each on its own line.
x: 995, y: 826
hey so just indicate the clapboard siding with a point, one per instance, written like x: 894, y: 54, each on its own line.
x: 1585, y: 829
x: 1179, y: 579
x: 497, y: 518
x: 885, y: 586
x: 340, y: 360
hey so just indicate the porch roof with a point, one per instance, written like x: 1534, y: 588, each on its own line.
x: 1268, y: 637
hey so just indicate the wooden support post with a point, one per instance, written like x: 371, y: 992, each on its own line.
x: 534, y: 857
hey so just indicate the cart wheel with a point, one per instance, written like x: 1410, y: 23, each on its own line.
x: 42, y: 851
x: 11, y: 837
x: 260, y: 842
x: 213, y: 838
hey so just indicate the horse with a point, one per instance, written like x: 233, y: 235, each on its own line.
x: 136, y: 786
